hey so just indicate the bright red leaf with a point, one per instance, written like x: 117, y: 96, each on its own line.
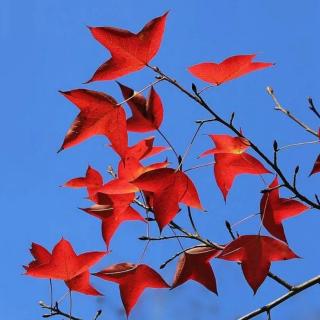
x: 255, y: 253
x: 115, y: 210
x: 129, y: 51
x: 64, y: 264
x: 133, y: 279
x: 316, y: 166
x: 93, y: 181
x: 147, y: 114
x: 169, y: 188
x: 229, y: 69
x: 274, y: 210
x: 144, y: 149
x: 99, y: 115
x: 231, y: 160
x: 194, y: 264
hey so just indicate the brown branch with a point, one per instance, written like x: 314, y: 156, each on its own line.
x: 295, y: 290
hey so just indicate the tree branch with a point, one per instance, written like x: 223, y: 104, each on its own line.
x: 279, y: 107
x: 55, y: 311
x: 295, y: 290
x: 197, y: 98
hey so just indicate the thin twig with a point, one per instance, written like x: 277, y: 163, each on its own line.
x: 189, y: 146
x: 313, y: 107
x: 169, y: 143
x: 142, y: 90
x: 97, y: 315
x: 295, y: 290
x: 200, y: 166
x: 192, y: 221
x: 298, y: 144
x: 279, y: 107
x: 55, y: 311
x: 178, y: 254
x: 205, y: 88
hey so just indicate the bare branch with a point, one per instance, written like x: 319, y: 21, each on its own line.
x: 295, y: 290
x: 279, y: 107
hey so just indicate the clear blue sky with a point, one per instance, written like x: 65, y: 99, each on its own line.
x: 46, y: 47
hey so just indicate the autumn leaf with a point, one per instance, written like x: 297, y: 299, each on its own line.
x: 133, y: 279
x: 316, y: 166
x: 194, y: 264
x: 64, y: 264
x: 229, y: 69
x: 129, y: 51
x: 93, y: 181
x: 99, y: 115
x: 169, y: 188
x: 255, y: 253
x: 144, y: 149
x: 147, y: 114
x: 113, y: 210
x: 273, y: 210
x: 231, y: 160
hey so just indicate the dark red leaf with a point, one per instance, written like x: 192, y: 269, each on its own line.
x: 255, y: 253
x: 147, y: 114
x: 169, y: 188
x: 194, y: 265
x: 99, y: 115
x: 133, y: 279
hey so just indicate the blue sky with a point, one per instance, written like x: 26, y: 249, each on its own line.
x: 46, y: 47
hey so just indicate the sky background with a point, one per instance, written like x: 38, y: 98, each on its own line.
x: 46, y: 47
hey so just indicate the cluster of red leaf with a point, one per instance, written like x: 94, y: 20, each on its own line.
x: 164, y: 188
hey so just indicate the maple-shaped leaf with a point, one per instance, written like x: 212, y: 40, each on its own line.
x: 99, y: 115
x: 274, y: 210
x: 133, y: 279
x: 231, y: 160
x: 129, y: 51
x: 112, y: 215
x: 144, y: 149
x: 93, y: 181
x: 64, y: 264
x: 129, y: 169
x: 169, y: 188
x: 316, y: 166
x: 194, y: 264
x: 255, y: 253
x: 147, y: 114
x: 229, y: 69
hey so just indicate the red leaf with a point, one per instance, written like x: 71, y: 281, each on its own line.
x: 316, y: 167
x: 194, y: 265
x: 231, y: 160
x: 99, y: 115
x: 64, y: 264
x: 133, y: 279
x: 93, y: 181
x: 144, y: 149
x: 274, y: 210
x: 113, y: 215
x: 147, y: 114
x: 129, y: 51
x: 255, y: 253
x: 229, y: 69
x: 169, y: 188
